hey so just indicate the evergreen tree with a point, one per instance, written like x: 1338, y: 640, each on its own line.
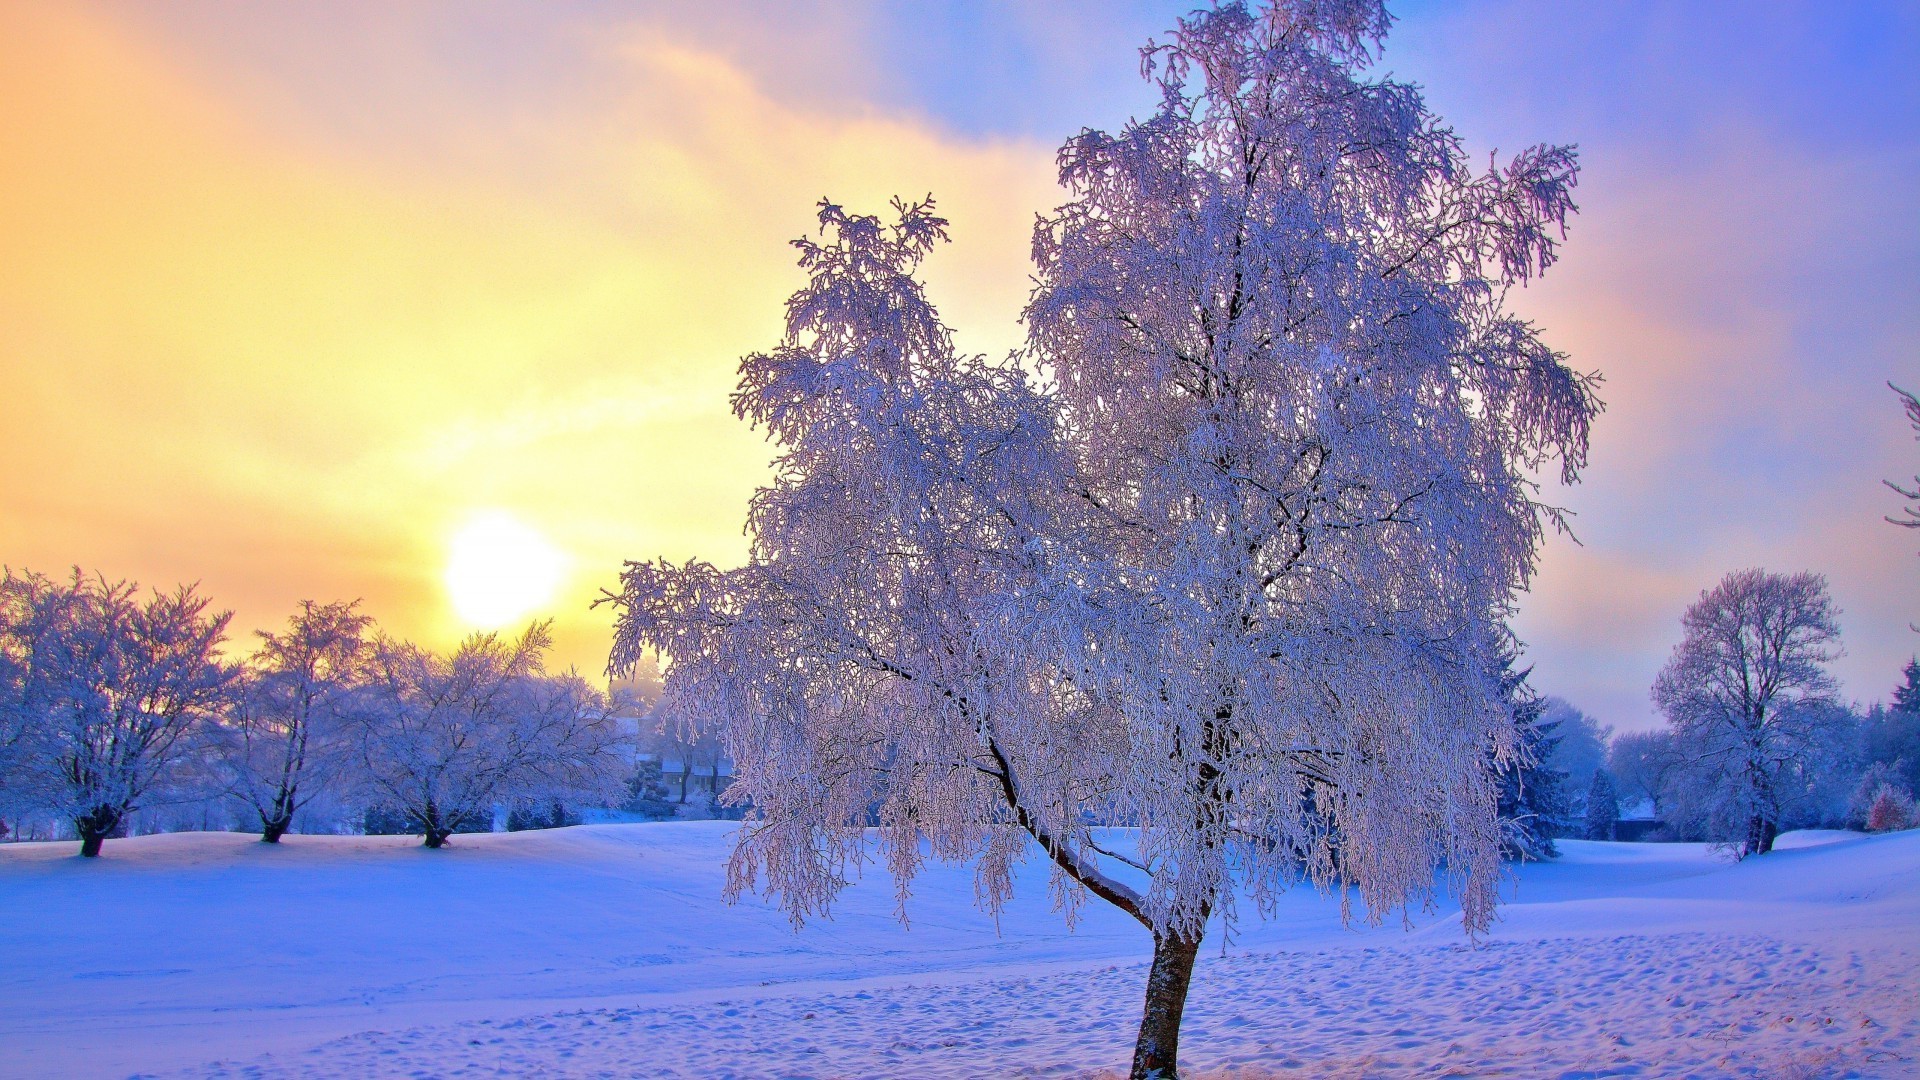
x: 1603, y: 806
x: 1906, y: 697
x: 647, y: 791
x: 552, y: 814
x: 1533, y: 796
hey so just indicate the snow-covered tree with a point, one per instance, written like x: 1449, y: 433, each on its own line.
x: 113, y: 690
x: 443, y: 739
x: 1749, y: 697
x: 1603, y: 806
x: 1236, y: 573
x: 285, y: 738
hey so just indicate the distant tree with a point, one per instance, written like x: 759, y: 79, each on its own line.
x: 1580, y: 744
x: 1643, y: 764
x: 444, y: 739
x: 552, y: 814
x: 285, y: 739
x: 113, y: 691
x: 1603, y: 806
x: 1749, y: 697
x: 689, y: 746
x: 1233, y: 571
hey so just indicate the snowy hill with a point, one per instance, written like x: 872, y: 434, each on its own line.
x: 606, y: 950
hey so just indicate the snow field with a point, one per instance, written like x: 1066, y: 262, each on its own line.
x: 605, y: 951
x: 1669, y: 1005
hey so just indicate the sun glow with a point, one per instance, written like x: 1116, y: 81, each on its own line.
x: 499, y: 570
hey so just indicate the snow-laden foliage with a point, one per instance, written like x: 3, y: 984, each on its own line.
x: 1300, y: 415
x: 444, y: 739
x: 1231, y: 567
x: 109, y: 691
x: 285, y: 740
x: 1750, y: 700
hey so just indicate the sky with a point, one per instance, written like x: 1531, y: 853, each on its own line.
x: 306, y: 301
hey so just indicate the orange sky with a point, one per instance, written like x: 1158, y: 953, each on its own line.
x: 238, y: 353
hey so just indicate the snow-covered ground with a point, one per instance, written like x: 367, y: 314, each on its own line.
x: 606, y: 951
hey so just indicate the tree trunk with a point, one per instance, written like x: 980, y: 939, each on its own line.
x: 686, y: 771
x: 434, y: 831
x: 94, y: 827
x: 1761, y: 831
x: 278, y: 818
x: 1157, y: 1052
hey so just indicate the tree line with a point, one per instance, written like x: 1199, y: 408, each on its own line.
x: 1756, y: 738
x: 113, y: 700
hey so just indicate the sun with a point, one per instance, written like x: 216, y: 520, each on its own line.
x: 500, y: 569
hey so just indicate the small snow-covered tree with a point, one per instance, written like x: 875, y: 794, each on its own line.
x: 1603, y: 806
x: 1749, y: 698
x: 113, y: 690
x: 443, y: 739
x: 1234, y: 572
x: 285, y: 738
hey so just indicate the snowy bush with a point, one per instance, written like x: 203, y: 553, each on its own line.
x: 1890, y: 809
